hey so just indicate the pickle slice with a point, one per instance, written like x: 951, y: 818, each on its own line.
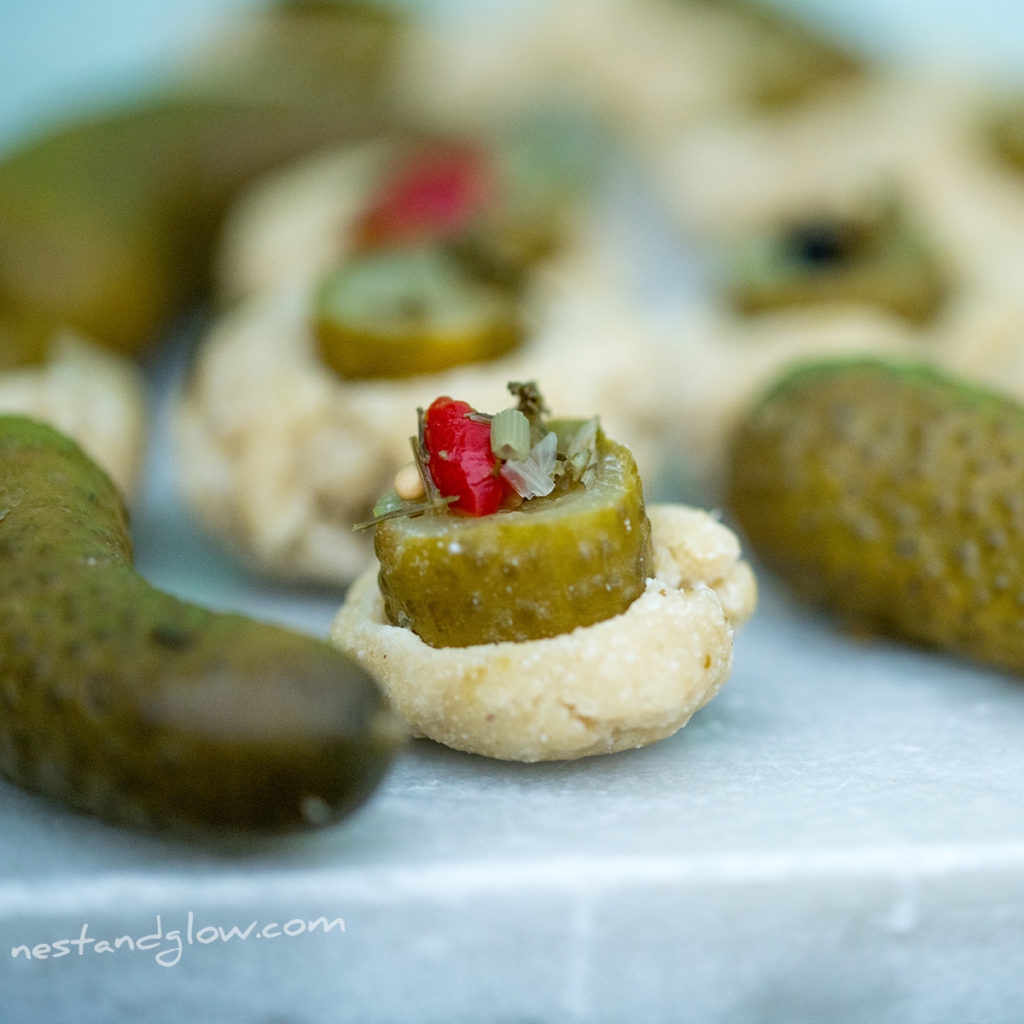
x: 573, y: 558
x: 399, y: 312
x: 877, y: 257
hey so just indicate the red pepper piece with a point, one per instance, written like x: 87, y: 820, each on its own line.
x: 460, y: 459
x: 435, y: 193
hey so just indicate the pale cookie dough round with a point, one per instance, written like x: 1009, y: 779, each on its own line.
x: 624, y: 682
x: 94, y: 396
x: 916, y: 135
x: 280, y: 458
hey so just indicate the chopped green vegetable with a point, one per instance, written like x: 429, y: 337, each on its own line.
x: 534, y: 476
x: 510, y: 435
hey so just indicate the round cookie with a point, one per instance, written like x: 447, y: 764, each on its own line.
x: 91, y: 394
x: 914, y: 140
x: 281, y: 457
x: 624, y: 682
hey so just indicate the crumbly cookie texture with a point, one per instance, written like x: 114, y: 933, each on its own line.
x: 621, y: 683
x: 92, y: 395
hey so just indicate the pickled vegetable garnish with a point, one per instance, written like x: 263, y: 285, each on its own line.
x: 435, y: 192
x: 441, y: 252
x: 510, y: 434
x: 534, y: 475
x: 460, y: 458
x: 484, y: 463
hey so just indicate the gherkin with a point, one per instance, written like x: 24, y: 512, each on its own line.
x: 123, y: 701
x: 892, y: 494
x: 108, y: 219
x: 573, y: 558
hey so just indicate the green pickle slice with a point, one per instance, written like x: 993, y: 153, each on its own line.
x: 876, y: 257
x: 399, y: 312
x: 575, y: 557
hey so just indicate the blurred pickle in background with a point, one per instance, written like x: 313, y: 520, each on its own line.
x: 107, y: 218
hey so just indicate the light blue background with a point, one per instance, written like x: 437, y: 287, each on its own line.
x: 52, y: 52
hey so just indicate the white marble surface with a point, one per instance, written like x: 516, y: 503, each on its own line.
x: 839, y: 836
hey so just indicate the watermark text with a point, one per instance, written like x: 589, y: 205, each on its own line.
x: 168, y: 946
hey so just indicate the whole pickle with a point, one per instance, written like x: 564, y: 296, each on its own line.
x: 107, y: 221
x: 121, y: 700
x: 575, y: 557
x: 891, y: 494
